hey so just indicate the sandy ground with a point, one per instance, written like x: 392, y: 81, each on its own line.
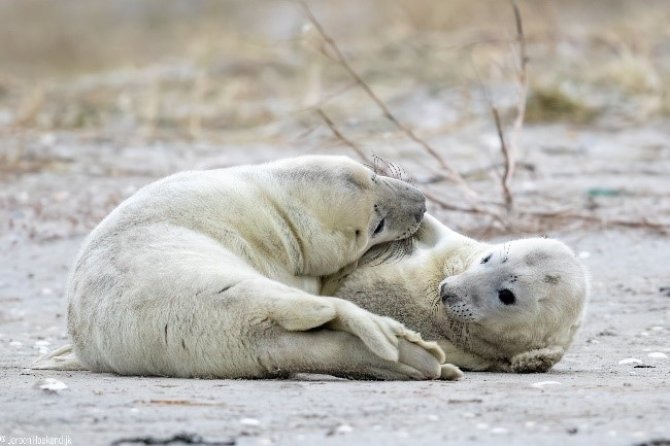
x: 613, y: 387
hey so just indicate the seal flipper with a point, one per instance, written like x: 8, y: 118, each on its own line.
x: 62, y: 358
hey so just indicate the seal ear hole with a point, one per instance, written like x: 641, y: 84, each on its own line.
x: 358, y: 232
x: 506, y: 297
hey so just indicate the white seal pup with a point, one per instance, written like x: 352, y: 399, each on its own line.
x: 510, y: 307
x: 217, y: 273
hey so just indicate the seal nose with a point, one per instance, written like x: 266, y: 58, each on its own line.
x: 418, y: 215
x: 446, y: 294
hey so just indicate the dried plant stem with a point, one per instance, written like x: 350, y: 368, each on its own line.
x: 468, y: 210
x: 508, y: 166
x: 333, y: 128
x: 568, y: 214
x: 522, y: 81
x: 338, y: 56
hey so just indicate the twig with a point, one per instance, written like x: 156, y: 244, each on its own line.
x: 570, y: 215
x: 509, y: 163
x: 333, y: 128
x: 522, y: 79
x: 341, y: 59
x: 467, y: 210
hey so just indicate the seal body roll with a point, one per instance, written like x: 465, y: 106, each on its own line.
x: 216, y: 274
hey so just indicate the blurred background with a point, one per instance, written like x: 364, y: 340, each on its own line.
x: 97, y: 98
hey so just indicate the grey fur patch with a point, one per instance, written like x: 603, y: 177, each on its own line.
x: 551, y: 279
x: 535, y: 258
x: 314, y: 175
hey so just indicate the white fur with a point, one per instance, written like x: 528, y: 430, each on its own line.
x: 444, y: 291
x: 214, y: 274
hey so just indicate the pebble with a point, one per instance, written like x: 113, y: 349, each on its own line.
x: 499, y: 430
x: 343, y: 429
x: 542, y: 384
x: 630, y: 361
x: 482, y: 426
x: 433, y: 418
x: 657, y: 355
x: 50, y: 385
x: 250, y: 422
x: 16, y: 344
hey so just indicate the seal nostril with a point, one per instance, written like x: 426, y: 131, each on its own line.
x: 445, y: 294
x: 448, y: 296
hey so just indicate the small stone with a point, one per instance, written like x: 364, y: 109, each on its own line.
x: 630, y: 361
x: 343, y: 429
x: 482, y: 426
x: 50, y: 385
x: 250, y: 422
x: 16, y: 344
x: 657, y: 355
x: 433, y: 418
x: 499, y: 430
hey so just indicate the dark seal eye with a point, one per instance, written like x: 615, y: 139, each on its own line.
x: 380, y: 226
x: 506, y: 297
x: 486, y: 259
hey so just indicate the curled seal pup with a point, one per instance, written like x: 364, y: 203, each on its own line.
x: 217, y: 274
x: 512, y: 307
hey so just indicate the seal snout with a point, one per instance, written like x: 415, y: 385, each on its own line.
x: 446, y: 294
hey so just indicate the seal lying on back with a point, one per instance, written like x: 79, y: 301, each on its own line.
x: 216, y: 274
x: 511, y: 307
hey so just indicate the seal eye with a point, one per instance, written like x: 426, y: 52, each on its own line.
x: 380, y: 227
x: 506, y: 297
x: 486, y: 259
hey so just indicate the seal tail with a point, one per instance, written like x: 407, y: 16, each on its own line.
x: 62, y: 358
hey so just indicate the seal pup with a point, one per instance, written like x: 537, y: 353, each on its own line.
x: 217, y: 273
x: 512, y: 307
